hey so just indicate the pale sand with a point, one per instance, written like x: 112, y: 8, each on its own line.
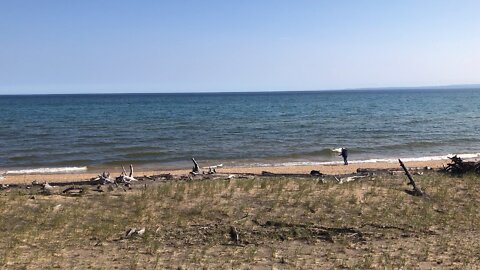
x: 326, y: 169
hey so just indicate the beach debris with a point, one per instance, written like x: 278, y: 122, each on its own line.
x: 141, y: 231
x: 130, y: 232
x: 47, y: 188
x: 162, y: 176
x: 4, y: 186
x: 315, y: 173
x: 231, y: 176
x: 416, y: 190
x: 396, y: 172
x: 73, y: 190
x: 134, y: 231
x: 458, y: 166
x: 349, y: 178
x: 270, y: 174
x: 212, y: 169
x: 103, y: 178
x: 124, y: 178
x: 234, y: 236
x: 57, y: 207
x: 195, y: 169
x: 336, y: 178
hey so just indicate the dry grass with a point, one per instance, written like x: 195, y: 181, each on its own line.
x: 283, y: 223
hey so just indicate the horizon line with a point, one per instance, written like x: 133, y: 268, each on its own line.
x: 424, y: 87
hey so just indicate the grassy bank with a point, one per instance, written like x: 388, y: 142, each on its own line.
x: 282, y: 223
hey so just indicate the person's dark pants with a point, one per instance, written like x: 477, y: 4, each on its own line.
x: 345, y: 162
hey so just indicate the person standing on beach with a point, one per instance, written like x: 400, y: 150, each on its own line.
x: 344, y: 154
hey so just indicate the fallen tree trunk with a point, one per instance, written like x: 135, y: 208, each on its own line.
x: 265, y: 173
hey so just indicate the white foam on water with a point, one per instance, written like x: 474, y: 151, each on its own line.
x: 465, y: 156
x: 338, y: 150
x: 48, y: 170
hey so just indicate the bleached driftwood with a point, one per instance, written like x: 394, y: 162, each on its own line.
x: 336, y: 178
x: 47, y: 188
x: 195, y: 168
x: 212, y: 169
x: 134, y: 231
x: 103, y: 178
x: 124, y: 178
x: 350, y: 179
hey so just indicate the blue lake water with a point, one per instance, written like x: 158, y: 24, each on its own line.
x: 166, y: 130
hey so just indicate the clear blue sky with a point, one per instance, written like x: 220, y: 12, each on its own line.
x: 177, y: 46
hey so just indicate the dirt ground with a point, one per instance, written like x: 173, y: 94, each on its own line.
x: 281, y: 223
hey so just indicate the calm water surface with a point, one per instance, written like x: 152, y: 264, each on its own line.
x: 235, y: 128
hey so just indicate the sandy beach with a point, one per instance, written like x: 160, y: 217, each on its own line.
x: 326, y: 169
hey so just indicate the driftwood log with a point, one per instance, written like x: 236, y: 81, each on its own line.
x: 103, y: 179
x: 213, y: 169
x: 195, y: 168
x: 124, y: 178
x: 47, y: 188
x: 458, y: 166
x: 416, y: 190
x: 73, y: 190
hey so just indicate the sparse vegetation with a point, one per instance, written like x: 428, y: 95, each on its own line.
x: 282, y: 223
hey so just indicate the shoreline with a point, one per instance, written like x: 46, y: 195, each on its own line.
x: 298, y: 169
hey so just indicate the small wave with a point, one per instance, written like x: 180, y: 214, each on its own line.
x: 407, y: 159
x: 338, y: 150
x: 325, y: 152
x: 465, y: 156
x: 48, y: 170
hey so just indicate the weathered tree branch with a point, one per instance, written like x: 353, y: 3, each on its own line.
x: 124, y: 178
x: 196, y: 168
x: 416, y: 190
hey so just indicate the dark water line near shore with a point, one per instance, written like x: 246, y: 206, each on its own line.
x: 235, y: 128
